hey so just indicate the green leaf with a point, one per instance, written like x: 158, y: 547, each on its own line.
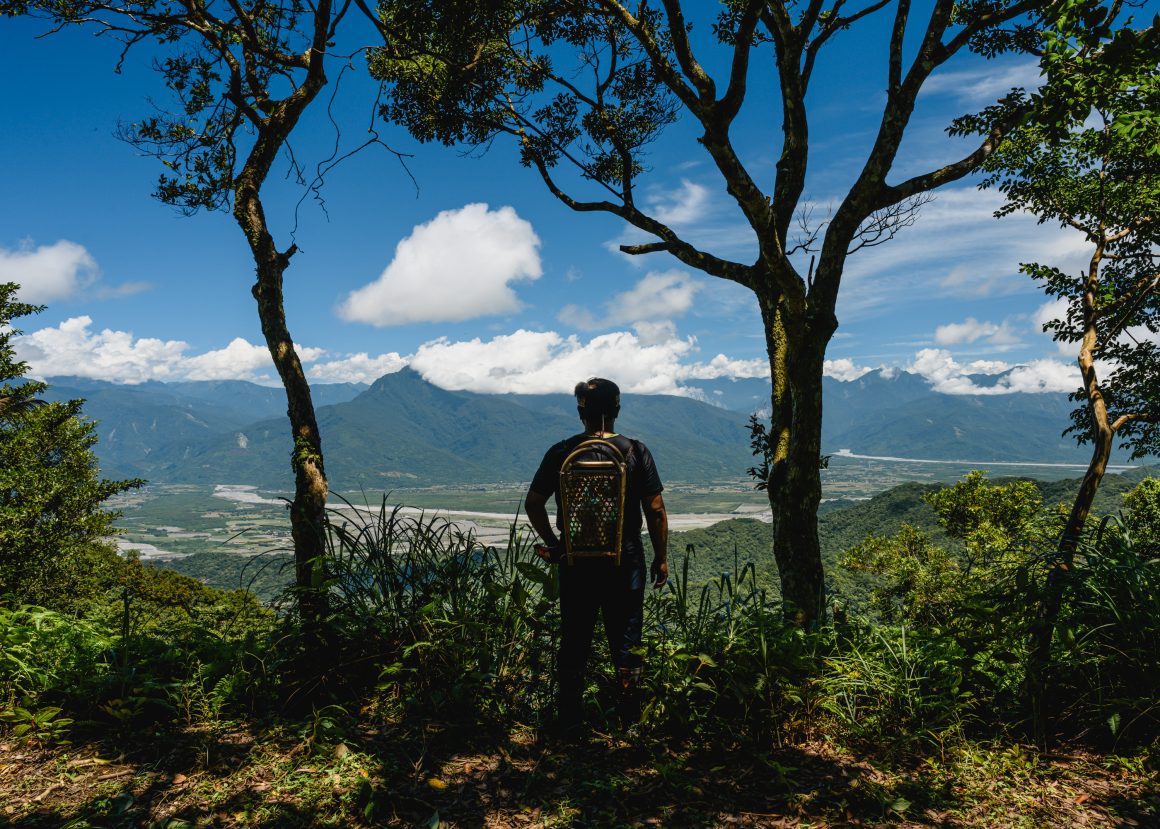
x: 1114, y: 722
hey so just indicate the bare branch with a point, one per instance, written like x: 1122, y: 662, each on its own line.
x: 951, y: 172
x: 833, y: 25
x: 883, y: 225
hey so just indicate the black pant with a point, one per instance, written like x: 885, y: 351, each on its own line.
x: 617, y: 592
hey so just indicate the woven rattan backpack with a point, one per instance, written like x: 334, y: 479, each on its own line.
x: 593, y: 479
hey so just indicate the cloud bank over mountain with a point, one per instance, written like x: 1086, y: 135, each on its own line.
x: 648, y: 360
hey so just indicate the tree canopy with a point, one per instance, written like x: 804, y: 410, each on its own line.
x: 54, y: 530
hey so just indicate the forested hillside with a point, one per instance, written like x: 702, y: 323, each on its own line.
x: 405, y: 431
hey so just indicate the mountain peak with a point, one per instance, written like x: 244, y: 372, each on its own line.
x: 404, y: 375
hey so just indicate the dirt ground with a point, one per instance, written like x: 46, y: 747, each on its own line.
x: 435, y: 777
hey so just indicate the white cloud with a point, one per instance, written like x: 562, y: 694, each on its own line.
x: 457, y: 266
x: 541, y: 362
x: 948, y: 376
x: 986, y: 84
x: 651, y: 333
x: 683, y: 205
x: 62, y: 270
x: 659, y: 295
x: 50, y: 272
x: 73, y: 349
x: 1055, y: 309
x: 355, y: 368
x: 843, y: 369
x: 1044, y: 376
x: 955, y: 249
x: 240, y: 359
x: 722, y: 366
x: 653, y: 360
x: 971, y: 330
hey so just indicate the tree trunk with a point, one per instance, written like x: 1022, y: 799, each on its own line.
x: 308, y: 509
x: 1103, y: 435
x: 794, y: 485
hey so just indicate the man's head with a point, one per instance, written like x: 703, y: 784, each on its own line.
x: 598, y: 401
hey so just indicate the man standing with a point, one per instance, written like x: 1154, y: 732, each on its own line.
x: 589, y: 585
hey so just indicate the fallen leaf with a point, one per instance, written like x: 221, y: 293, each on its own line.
x: 1082, y: 798
x: 436, y: 783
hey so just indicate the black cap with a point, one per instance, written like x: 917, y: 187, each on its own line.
x: 597, y: 396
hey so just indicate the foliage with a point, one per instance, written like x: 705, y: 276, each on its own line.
x: 898, y: 688
x: 1087, y: 160
x: 922, y: 582
x: 153, y: 645
x: 930, y: 585
x: 1105, y: 668
x: 41, y: 650
x: 53, y: 529
x: 1142, y: 521
x: 721, y: 658
x: 266, y: 575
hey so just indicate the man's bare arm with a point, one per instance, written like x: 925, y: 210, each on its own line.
x: 657, y: 521
x: 536, y: 509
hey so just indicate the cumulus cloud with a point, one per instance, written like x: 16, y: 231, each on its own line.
x: 659, y: 295
x: 544, y: 361
x: 458, y: 266
x: 74, y: 349
x: 50, y: 272
x: 844, y: 369
x: 948, y: 376
x: 722, y: 366
x: 971, y: 330
x: 651, y: 360
x: 240, y: 359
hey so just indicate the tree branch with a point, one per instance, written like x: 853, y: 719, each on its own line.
x: 684, y: 51
x: 660, y: 61
x: 730, y: 103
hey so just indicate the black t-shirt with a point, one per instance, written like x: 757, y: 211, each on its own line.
x: 643, y: 481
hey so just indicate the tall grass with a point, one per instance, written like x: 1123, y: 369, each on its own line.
x: 447, y: 626
x: 431, y: 626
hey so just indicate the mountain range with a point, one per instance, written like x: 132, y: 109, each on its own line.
x: 404, y: 431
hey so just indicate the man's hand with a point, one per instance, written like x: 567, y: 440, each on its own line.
x: 535, y: 505
x: 552, y: 554
x: 657, y: 520
x: 660, y: 573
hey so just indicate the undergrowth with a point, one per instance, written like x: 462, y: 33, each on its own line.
x: 432, y: 632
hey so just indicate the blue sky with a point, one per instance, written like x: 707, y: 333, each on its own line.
x: 477, y: 277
